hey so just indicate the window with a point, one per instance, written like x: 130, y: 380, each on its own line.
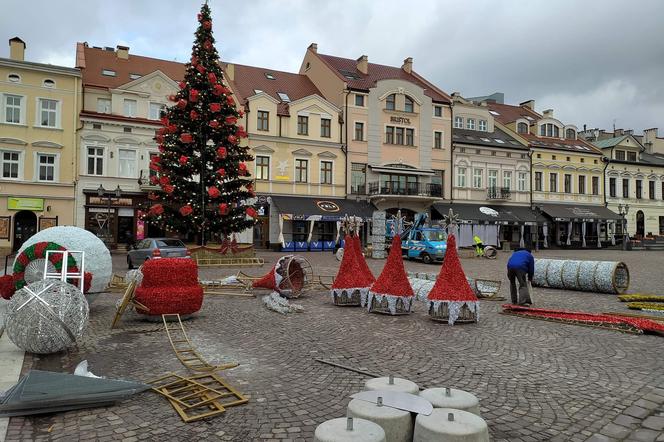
x: 625, y: 187
x: 409, y: 106
x: 359, y: 100
x: 103, y: 105
x: 582, y: 185
x: 437, y: 181
x: 595, y: 185
x: 389, y: 102
x: 438, y: 111
x: 470, y: 123
x: 108, y: 72
x: 492, y: 180
x: 556, y: 132
x: 651, y: 190
x: 263, y: 120
x: 538, y: 181
x: 155, y: 110
x: 326, y: 172
x: 283, y: 96
x: 359, y: 131
x: 567, y: 184
x: 639, y: 189
x: 127, y: 163
x: 631, y: 156
x: 553, y: 182
x: 482, y: 125
x: 399, y: 135
x: 302, y: 125
x: 358, y: 178
x: 477, y: 178
x: 521, y: 181
x: 325, y: 127
x: 410, y: 137
x: 96, y: 161
x: 130, y: 108
x: 458, y: 122
x: 13, y: 109
x: 389, y: 135
x: 270, y: 76
x: 126, y: 130
x: 46, y: 164
x: 620, y: 155
x: 522, y: 128
x: 14, y: 78
x: 568, y: 159
x: 461, y: 177
x: 10, y: 164
x: 48, y: 83
x: 612, y: 187
x: 262, y: 167
x: 301, y: 171
x: 549, y: 130
x: 553, y: 157
x: 134, y: 76
x: 437, y: 140
x: 570, y: 134
x: 48, y: 112
x: 507, y: 179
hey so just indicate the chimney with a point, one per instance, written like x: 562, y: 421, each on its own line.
x: 530, y: 104
x: 629, y: 131
x: 548, y: 113
x: 16, y: 49
x: 123, y: 52
x: 618, y: 133
x: 363, y: 64
x: 649, y: 136
x: 230, y: 71
x: 408, y: 65
x: 313, y: 47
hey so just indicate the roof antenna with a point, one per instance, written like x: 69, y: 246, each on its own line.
x: 614, y: 126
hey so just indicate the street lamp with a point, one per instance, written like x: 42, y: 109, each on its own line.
x: 102, y: 192
x: 623, y: 210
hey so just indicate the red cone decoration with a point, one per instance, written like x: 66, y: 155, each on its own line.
x: 351, y: 276
x: 287, y: 277
x: 364, y: 267
x: 392, y: 284
x: 451, y: 287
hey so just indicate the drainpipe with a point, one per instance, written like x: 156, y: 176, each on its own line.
x: 530, y: 156
x: 279, y: 125
x: 606, y: 166
x: 451, y: 155
x: 341, y: 135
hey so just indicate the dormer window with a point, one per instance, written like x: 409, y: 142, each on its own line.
x: 470, y: 123
x: 549, y: 130
x: 570, y: 134
x: 408, y: 106
x: 631, y: 156
x: 389, y: 102
x: 48, y: 83
x: 620, y: 155
x: 284, y: 97
x: 483, y: 125
x: 458, y: 122
x: 270, y: 76
x: 108, y: 72
x: 14, y: 78
x: 522, y: 128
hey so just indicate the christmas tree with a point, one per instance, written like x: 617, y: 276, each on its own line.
x: 201, y: 169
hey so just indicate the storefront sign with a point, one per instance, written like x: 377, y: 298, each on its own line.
x: 401, y: 120
x: 100, y: 210
x: 282, y: 177
x: 327, y: 206
x: 36, y: 204
x: 582, y: 212
x: 103, y: 201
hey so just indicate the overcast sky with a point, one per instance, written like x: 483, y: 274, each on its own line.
x: 594, y: 62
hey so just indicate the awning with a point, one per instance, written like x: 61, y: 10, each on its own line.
x: 324, y: 209
x: 490, y: 214
x: 401, y: 170
x: 568, y: 212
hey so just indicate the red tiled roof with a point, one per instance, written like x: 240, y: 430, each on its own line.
x: 115, y: 117
x: 377, y: 72
x: 248, y: 79
x: 93, y: 60
x: 509, y: 114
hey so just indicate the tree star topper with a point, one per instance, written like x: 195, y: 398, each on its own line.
x: 451, y: 219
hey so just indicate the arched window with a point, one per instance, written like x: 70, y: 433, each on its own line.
x: 49, y: 83
x: 14, y: 78
x: 522, y: 128
x: 556, y: 131
x: 570, y: 134
x: 389, y: 102
x: 408, y: 107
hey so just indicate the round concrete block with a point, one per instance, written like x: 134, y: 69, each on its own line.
x: 457, y: 399
x: 397, y: 424
x: 402, y: 385
x: 465, y: 427
x: 336, y: 430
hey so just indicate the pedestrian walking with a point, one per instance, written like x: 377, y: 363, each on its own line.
x: 521, y: 268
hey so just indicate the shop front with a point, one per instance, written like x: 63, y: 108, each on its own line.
x: 313, y: 224
x: 578, y: 226
x: 115, y: 219
x: 25, y: 216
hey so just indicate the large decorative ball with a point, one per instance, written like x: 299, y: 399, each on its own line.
x: 46, y: 316
x: 97, y: 257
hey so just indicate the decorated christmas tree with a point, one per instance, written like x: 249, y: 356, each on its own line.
x: 201, y: 170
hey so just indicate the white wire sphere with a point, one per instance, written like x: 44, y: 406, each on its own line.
x: 37, y: 328
x: 97, y: 257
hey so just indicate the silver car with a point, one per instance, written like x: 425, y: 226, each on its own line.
x: 151, y: 248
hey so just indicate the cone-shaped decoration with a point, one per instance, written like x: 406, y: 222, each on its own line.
x: 269, y: 281
x: 362, y: 262
x: 351, y: 283
x: 451, y: 293
x: 392, y: 285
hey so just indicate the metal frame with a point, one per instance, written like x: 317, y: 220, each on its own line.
x: 64, y: 274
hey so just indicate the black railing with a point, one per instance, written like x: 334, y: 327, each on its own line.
x: 406, y: 189
x: 358, y: 189
x: 499, y: 193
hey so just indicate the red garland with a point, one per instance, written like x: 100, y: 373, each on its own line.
x: 221, y: 152
x: 451, y: 283
x: 218, y: 90
x: 171, y: 128
x: 193, y: 95
x: 159, y: 139
x: 164, y: 120
x: 213, y: 192
x: 155, y: 167
x: 207, y: 25
x: 215, y: 107
x: 229, y: 100
x: 393, y: 280
x: 212, y: 78
x: 164, y: 180
x: 153, y: 180
x: 186, y: 210
x: 182, y: 85
x: 194, y: 60
x: 223, y: 209
x: 243, y: 168
x: 200, y: 68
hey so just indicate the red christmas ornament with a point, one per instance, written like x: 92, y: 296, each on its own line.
x: 168, y: 188
x: 159, y: 139
x: 172, y: 98
x: 153, y: 180
x: 218, y: 89
x: 152, y: 196
x: 157, y: 209
x: 241, y: 132
x: 171, y: 128
x: 154, y: 166
x: 164, y: 180
x: 182, y: 103
x: 221, y: 172
x: 186, y: 138
x: 194, y: 60
x: 221, y: 152
x: 232, y: 139
x: 193, y: 115
x: 182, y: 85
x: 161, y: 148
x: 207, y: 45
x: 183, y: 159
x: 215, y: 107
x: 193, y: 95
x: 243, y: 168
x: 240, y: 113
x: 229, y: 100
x: 214, y: 123
x: 251, y: 212
x: 186, y: 210
x: 213, y: 192
x: 231, y: 119
x: 207, y: 24
x: 223, y: 209
x: 200, y: 68
x: 164, y: 120
x: 212, y: 78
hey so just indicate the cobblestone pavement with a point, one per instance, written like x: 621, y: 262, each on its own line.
x: 536, y: 380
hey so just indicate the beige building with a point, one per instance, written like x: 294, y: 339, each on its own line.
x: 397, y: 130
x: 38, y: 121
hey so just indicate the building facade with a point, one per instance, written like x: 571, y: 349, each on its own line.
x: 38, y: 121
x: 123, y: 95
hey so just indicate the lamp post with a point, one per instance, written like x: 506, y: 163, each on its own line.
x: 537, y: 210
x: 101, y: 192
x: 623, y: 210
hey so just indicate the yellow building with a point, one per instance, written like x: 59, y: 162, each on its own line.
x: 38, y: 121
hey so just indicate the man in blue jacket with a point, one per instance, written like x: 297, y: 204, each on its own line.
x: 520, y: 265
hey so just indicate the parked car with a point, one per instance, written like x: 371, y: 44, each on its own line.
x: 156, y: 248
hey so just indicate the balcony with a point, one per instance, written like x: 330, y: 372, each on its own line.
x: 397, y: 188
x: 498, y: 193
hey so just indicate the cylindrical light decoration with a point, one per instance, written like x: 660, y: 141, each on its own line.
x: 588, y: 276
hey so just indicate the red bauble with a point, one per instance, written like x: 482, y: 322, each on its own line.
x: 193, y: 95
x: 153, y: 180
x: 168, y: 188
x: 164, y: 120
x: 251, y: 212
x: 232, y: 139
x: 242, y: 168
x: 229, y: 100
x: 212, y: 78
x: 240, y: 113
x: 186, y: 210
x: 172, y: 98
x: 157, y: 209
x: 153, y: 196
x: 182, y: 103
x: 207, y: 45
x: 200, y: 68
x: 164, y: 180
x: 159, y: 139
x: 183, y: 160
x: 194, y: 60
x: 171, y: 128
x: 182, y: 85
x: 155, y: 167
x: 223, y: 209
x: 231, y: 119
x: 221, y: 172
x: 215, y: 107
x: 207, y: 24
x: 241, y: 132
x: 186, y: 138
x: 218, y: 90
x: 214, y: 123
x: 221, y: 152
x: 213, y: 192
x: 193, y: 115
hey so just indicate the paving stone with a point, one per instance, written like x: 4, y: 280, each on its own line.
x: 654, y: 423
x: 627, y: 421
x: 599, y: 438
x: 615, y: 431
x: 637, y: 412
x: 644, y: 435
